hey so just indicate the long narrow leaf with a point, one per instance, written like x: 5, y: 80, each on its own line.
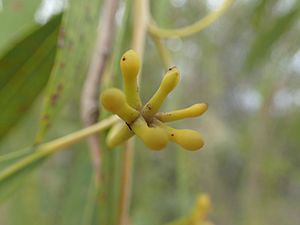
x: 15, y: 17
x: 264, y: 42
x: 12, y: 170
x: 24, y: 71
x: 76, y: 38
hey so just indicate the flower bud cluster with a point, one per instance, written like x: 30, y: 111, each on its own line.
x: 146, y: 121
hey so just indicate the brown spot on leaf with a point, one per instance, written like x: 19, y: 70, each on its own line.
x: 60, y: 87
x: 23, y: 108
x: 45, y: 117
x: 62, y: 65
x: 54, y: 98
x: 17, y: 6
x: 61, y: 38
x: 62, y: 33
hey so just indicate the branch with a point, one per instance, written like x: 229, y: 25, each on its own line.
x: 90, y: 92
x: 191, y: 29
x: 163, y: 52
x: 126, y: 181
x: 141, y: 19
x: 51, y: 147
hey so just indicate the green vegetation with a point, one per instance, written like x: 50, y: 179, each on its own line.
x: 242, y: 58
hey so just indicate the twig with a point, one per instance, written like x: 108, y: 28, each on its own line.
x: 90, y: 92
x: 141, y: 18
x: 51, y: 147
x: 15, y: 154
x: 163, y: 52
x: 191, y: 29
x: 126, y: 180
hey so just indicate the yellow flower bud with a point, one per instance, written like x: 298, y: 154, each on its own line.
x: 203, y: 202
x: 155, y: 138
x: 130, y: 65
x: 118, y: 134
x: 114, y: 101
x: 202, y: 208
x: 168, y: 83
x: 192, y: 111
x: 188, y: 139
x: 145, y: 122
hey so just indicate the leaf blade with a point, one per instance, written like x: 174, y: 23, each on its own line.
x: 24, y: 71
x: 262, y: 45
x: 71, y: 61
x: 23, y: 17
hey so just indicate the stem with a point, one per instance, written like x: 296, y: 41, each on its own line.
x: 90, y: 93
x: 51, y: 147
x: 112, y: 160
x: 182, y: 180
x: 126, y: 180
x: 88, y: 211
x: 163, y: 52
x: 15, y: 154
x: 141, y: 19
x: 193, y: 28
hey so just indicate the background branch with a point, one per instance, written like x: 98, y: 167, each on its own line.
x: 47, y: 149
x: 193, y: 28
x: 90, y: 93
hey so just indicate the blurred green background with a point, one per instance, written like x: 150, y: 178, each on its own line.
x: 246, y: 66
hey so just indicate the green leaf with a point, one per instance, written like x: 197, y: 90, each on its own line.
x: 15, y: 17
x: 266, y: 40
x: 10, y: 185
x: 14, y: 170
x: 78, y: 34
x: 24, y: 71
x: 26, y: 162
x: 27, y: 193
x: 258, y: 17
x: 79, y: 202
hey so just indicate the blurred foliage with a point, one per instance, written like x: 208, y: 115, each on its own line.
x: 18, y: 68
x: 268, y: 36
x: 23, y: 18
x: 246, y: 66
x: 74, y: 52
